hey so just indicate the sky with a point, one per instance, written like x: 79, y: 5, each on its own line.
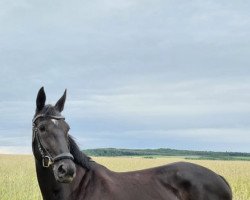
x: 139, y: 74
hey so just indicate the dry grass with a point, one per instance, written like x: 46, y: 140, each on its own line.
x: 18, y: 179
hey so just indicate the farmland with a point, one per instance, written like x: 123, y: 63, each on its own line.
x: 18, y: 179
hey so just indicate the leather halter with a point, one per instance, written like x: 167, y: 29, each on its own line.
x: 47, y: 159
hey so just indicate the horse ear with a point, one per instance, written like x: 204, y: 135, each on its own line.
x: 60, y: 103
x: 40, y: 99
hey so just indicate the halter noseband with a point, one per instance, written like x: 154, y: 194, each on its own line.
x: 47, y: 159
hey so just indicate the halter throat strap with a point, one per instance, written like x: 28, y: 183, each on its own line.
x: 47, y: 159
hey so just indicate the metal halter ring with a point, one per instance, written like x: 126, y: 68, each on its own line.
x: 47, y: 161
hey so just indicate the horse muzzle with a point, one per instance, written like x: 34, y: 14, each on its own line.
x: 64, y: 171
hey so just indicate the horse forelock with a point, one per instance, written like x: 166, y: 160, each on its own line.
x: 49, y: 110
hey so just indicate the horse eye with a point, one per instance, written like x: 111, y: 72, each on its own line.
x: 42, y: 128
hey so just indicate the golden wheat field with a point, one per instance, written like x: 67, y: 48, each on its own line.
x: 18, y: 179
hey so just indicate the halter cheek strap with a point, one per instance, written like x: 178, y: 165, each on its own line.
x: 47, y: 159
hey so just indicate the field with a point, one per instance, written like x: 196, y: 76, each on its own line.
x: 18, y: 179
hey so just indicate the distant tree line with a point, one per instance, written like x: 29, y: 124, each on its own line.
x: 162, y: 152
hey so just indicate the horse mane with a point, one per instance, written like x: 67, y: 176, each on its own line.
x: 79, y: 157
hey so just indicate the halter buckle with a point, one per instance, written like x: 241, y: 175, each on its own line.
x: 47, y: 161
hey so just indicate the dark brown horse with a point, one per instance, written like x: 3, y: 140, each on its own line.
x: 65, y: 173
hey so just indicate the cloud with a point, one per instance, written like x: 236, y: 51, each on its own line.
x: 170, y: 114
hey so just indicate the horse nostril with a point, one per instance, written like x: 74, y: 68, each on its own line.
x: 61, y: 170
x: 71, y: 172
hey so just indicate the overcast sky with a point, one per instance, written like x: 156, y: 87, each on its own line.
x: 139, y: 74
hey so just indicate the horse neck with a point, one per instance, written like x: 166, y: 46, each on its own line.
x: 87, y: 181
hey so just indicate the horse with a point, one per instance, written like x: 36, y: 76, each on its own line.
x: 64, y: 172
